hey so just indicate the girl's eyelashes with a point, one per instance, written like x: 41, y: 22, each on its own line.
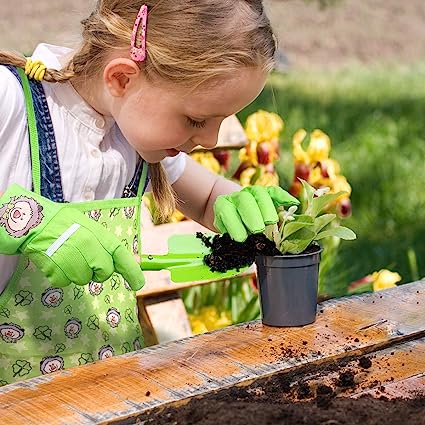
x: 196, y: 124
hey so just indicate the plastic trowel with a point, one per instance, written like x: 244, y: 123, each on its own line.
x: 185, y: 260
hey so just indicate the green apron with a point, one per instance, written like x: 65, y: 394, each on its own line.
x: 45, y: 329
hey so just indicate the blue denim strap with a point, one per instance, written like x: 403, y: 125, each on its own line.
x: 137, y: 187
x: 50, y: 177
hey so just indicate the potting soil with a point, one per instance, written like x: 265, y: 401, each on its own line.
x: 227, y: 254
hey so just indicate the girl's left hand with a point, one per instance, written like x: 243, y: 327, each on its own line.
x: 250, y: 210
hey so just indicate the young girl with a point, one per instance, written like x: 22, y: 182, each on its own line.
x: 149, y: 83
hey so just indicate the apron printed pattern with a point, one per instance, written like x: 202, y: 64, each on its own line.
x: 45, y: 329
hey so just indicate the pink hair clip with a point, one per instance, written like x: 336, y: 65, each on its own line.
x: 138, y: 37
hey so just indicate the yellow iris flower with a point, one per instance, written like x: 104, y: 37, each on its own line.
x: 319, y: 146
x: 384, y: 279
x: 300, y: 155
x: 209, y: 320
x: 208, y: 160
x: 263, y: 126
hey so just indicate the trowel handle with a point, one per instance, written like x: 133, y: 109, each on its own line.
x: 149, y: 262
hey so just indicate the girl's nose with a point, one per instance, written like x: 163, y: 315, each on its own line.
x: 209, y: 138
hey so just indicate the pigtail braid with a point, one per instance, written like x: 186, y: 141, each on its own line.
x: 13, y: 59
x: 19, y: 61
x: 162, y: 192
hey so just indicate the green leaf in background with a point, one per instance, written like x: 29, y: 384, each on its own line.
x: 250, y: 312
x: 360, y: 289
x: 258, y: 173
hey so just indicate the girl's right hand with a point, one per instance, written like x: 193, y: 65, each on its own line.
x: 63, y: 243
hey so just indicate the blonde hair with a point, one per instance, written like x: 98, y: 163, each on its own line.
x: 189, y: 42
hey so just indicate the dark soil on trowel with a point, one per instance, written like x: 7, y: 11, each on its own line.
x: 287, y: 399
x: 227, y: 254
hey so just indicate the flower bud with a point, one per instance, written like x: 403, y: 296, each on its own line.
x: 302, y: 171
x: 223, y: 157
x: 343, y: 208
x: 242, y: 166
x: 264, y: 153
x: 295, y: 188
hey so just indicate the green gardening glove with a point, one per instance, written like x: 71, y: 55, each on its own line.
x: 62, y: 242
x: 250, y: 210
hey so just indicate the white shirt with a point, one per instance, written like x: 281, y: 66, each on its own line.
x: 96, y: 162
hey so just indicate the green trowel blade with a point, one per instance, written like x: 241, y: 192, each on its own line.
x: 185, y: 261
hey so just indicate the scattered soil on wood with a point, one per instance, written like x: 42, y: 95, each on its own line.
x: 288, y: 399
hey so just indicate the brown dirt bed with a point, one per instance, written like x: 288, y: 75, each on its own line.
x: 295, y: 398
x: 268, y: 406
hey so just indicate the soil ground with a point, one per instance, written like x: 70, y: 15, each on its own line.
x: 271, y: 401
x: 367, y: 31
x: 248, y: 411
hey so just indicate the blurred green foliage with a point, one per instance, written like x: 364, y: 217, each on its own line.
x: 375, y: 119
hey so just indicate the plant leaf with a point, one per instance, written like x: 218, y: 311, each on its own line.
x: 301, y: 221
x: 298, y: 241
x: 319, y: 203
x: 295, y: 246
x: 309, y: 195
x: 322, y: 221
x: 339, y: 232
x: 273, y: 233
x: 302, y: 234
x: 365, y: 287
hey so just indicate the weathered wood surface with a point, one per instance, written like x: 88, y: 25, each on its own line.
x: 395, y: 371
x: 398, y: 371
x: 125, y: 386
x: 168, y: 318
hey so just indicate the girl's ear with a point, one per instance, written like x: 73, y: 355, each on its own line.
x: 119, y: 74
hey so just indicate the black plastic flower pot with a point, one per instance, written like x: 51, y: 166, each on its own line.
x: 288, y: 287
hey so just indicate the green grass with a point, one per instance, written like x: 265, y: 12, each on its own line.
x: 376, y: 121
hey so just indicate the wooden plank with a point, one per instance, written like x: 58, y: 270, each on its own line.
x: 396, y: 371
x: 406, y: 388
x: 149, y: 336
x: 125, y: 386
x: 168, y: 318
